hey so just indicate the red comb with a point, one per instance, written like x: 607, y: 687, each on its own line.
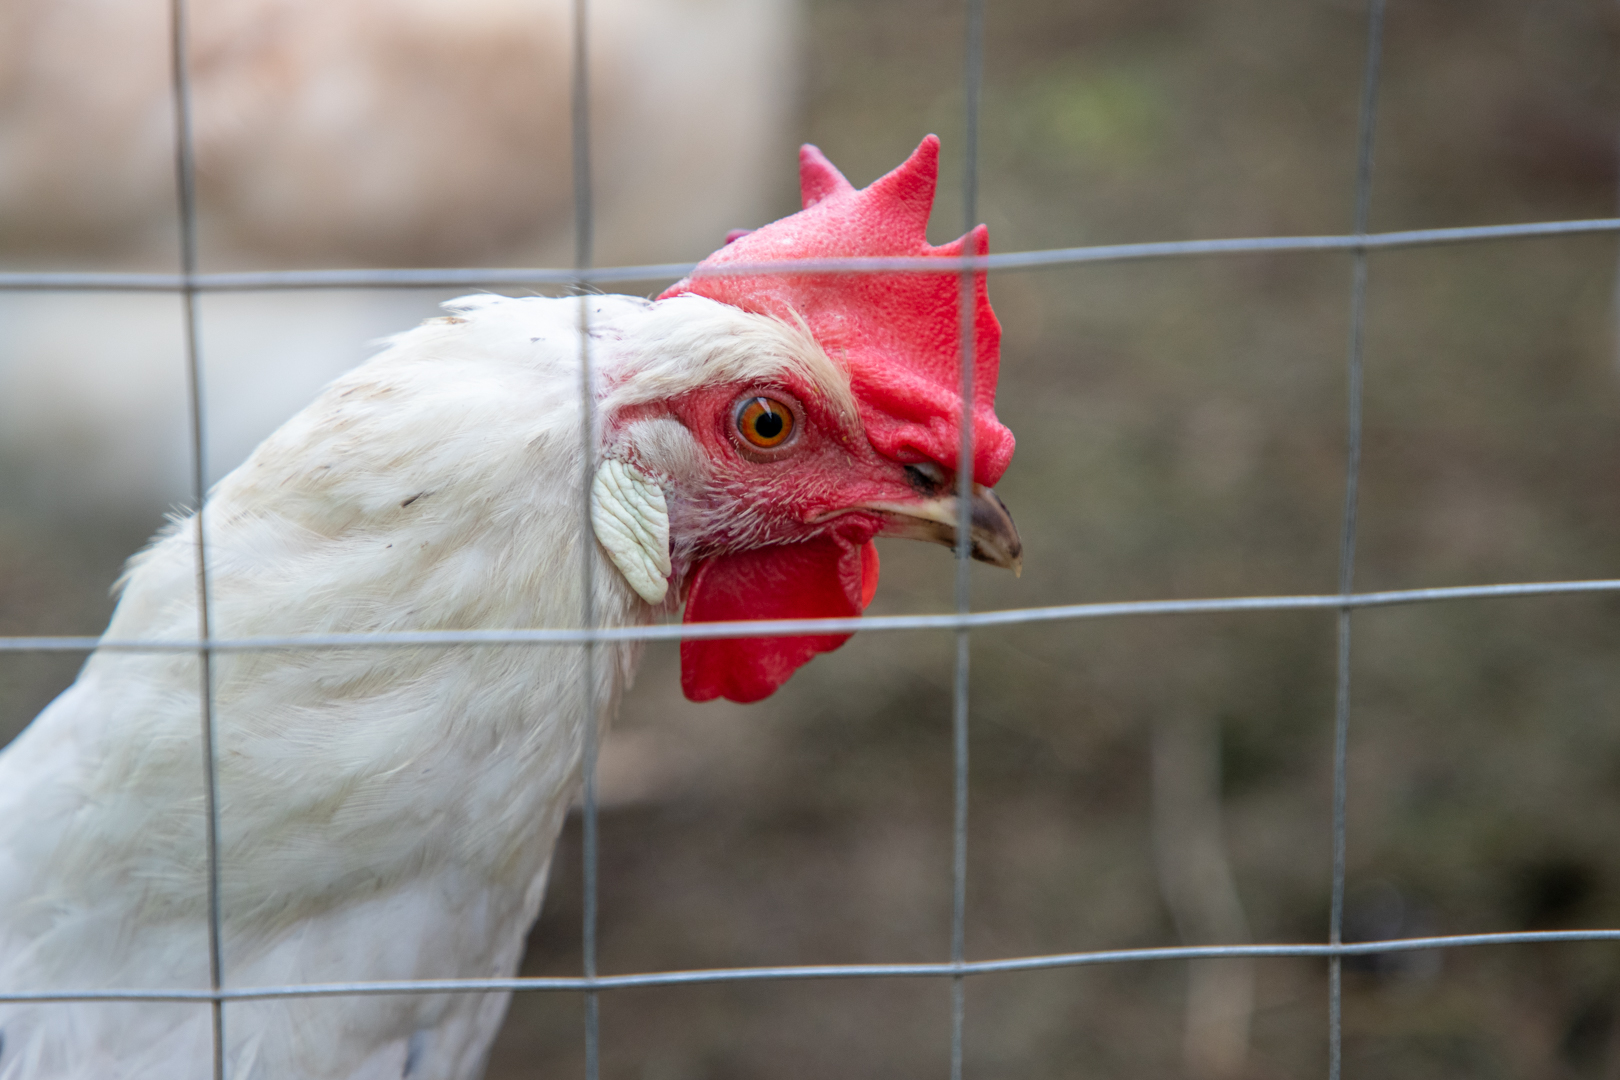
x: 898, y: 333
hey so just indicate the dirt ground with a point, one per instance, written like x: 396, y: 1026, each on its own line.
x: 1181, y: 433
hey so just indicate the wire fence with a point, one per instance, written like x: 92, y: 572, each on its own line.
x: 189, y: 283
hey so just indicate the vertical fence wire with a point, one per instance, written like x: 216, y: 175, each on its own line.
x: 185, y: 175
x: 1347, y: 538
x: 972, y: 79
x: 584, y: 225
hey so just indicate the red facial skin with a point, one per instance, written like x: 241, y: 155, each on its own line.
x: 753, y: 497
x: 773, y: 533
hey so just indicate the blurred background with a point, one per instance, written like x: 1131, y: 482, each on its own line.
x: 1134, y: 782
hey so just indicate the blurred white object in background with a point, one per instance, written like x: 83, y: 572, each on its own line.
x: 358, y: 133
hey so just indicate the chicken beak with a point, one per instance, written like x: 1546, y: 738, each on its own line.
x: 995, y: 537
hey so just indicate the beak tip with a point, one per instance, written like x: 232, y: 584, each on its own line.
x: 995, y: 538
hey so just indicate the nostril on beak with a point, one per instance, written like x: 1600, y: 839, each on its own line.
x: 926, y: 477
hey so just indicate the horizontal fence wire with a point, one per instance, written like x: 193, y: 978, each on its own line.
x: 273, y: 280
x: 802, y: 627
x: 795, y: 972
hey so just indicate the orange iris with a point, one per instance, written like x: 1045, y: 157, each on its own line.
x: 765, y: 423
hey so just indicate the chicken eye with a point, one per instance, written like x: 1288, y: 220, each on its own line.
x: 764, y: 422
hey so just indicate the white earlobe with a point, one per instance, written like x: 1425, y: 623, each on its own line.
x: 632, y: 522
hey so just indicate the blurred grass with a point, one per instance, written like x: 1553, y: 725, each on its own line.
x: 1181, y: 433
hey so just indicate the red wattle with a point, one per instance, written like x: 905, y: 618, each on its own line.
x: 869, y: 574
x: 829, y: 577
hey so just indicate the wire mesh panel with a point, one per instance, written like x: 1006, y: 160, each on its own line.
x: 952, y: 964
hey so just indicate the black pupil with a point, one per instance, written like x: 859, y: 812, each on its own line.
x: 767, y: 425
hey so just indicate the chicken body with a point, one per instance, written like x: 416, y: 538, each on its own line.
x: 384, y: 814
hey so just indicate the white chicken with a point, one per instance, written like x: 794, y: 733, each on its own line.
x: 389, y: 813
